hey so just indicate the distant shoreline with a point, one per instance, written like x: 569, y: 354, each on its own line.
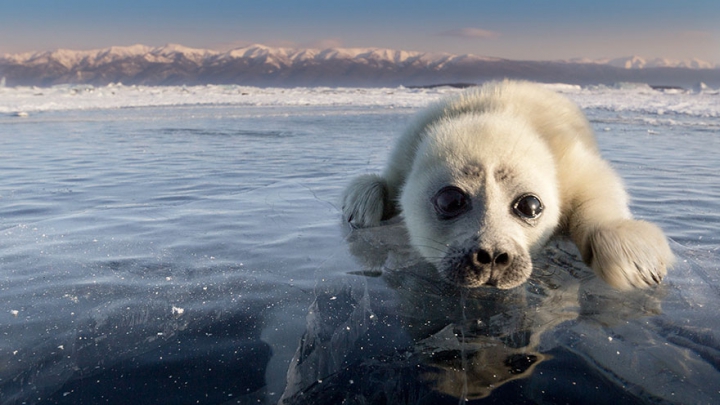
x: 24, y: 101
x: 262, y: 66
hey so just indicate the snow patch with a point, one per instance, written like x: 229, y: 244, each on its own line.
x: 24, y: 101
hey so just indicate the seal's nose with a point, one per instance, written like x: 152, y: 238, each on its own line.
x: 496, y: 260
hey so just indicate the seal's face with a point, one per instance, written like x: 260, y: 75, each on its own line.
x: 481, y: 197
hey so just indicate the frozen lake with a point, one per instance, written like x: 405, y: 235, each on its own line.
x: 184, y: 245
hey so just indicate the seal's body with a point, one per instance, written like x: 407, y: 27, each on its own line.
x: 486, y: 177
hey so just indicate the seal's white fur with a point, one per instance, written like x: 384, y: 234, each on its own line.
x: 497, y: 143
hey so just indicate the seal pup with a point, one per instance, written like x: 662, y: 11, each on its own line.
x: 484, y: 178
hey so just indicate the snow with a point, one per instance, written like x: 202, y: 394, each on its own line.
x: 119, y: 52
x: 21, y: 101
x: 638, y: 62
x: 95, y: 57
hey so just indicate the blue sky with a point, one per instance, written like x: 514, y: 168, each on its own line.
x: 536, y: 30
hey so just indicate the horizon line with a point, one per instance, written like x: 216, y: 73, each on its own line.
x: 576, y: 59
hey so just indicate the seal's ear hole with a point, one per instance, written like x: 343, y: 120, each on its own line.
x: 528, y: 206
x: 450, y: 202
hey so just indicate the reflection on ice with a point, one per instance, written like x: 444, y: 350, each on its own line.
x: 395, y: 333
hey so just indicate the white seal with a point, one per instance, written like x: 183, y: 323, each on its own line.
x: 483, y: 180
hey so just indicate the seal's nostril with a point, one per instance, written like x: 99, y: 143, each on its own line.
x: 483, y: 257
x: 502, y: 259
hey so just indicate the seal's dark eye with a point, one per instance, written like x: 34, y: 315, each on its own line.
x: 528, y: 206
x: 450, y: 202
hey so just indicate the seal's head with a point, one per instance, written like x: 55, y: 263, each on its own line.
x: 481, y: 197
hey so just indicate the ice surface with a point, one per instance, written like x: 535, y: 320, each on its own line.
x: 621, y: 98
x: 182, y: 252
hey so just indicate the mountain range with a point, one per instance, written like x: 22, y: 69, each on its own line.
x: 259, y: 65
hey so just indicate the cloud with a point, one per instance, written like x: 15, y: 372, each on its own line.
x: 470, y: 33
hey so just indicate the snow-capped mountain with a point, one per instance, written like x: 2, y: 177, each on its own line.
x: 265, y: 66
